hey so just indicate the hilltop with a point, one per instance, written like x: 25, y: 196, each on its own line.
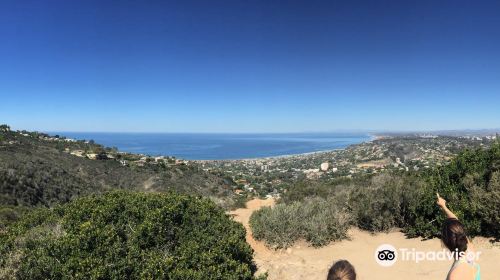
x: 39, y: 170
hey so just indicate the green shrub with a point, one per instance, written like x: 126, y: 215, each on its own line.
x: 324, y: 221
x: 384, y: 201
x: 316, y: 220
x: 488, y: 205
x: 126, y: 235
x: 240, y: 202
x: 315, y: 211
x: 278, y: 226
x: 470, y: 184
x: 317, y: 188
x: 10, y: 214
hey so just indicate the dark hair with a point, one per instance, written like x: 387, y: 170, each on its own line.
x: 454, y: 236
x: 341, y: 270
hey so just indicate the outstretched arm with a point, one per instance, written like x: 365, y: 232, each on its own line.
x: 442, y: 203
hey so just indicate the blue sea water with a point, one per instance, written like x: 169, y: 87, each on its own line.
x: 203, y: 146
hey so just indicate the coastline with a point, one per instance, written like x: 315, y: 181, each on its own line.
x: 124, y: 146
x: 373, y: 137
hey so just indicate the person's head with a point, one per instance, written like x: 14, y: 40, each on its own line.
x: 341, y: 270
x: 454, y: 236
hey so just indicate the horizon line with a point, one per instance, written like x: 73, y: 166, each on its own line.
x: 339, y: 130
x: 368, y: 131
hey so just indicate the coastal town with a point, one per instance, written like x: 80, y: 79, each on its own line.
x: 87, y: 148
x: 270, y: 177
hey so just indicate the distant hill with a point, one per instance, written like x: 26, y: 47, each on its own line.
x: 41, y: 170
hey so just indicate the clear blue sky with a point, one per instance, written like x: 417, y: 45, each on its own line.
x: 249, y: 66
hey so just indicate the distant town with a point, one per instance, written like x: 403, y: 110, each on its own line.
x: 406, y: 153
x: 269, y: 177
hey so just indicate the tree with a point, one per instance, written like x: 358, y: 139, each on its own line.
x: 4, y: 128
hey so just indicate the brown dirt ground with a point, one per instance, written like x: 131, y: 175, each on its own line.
x: 304, y: 262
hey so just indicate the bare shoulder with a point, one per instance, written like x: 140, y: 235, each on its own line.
x: 462, y: 271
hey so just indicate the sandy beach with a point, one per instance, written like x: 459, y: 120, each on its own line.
x: 304, y: 262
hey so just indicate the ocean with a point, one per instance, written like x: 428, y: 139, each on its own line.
x: 221, y: 146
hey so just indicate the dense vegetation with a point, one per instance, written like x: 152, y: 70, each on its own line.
x: 470, y: 183
x: 40, y: 173
x: 316, y: 220
x: 127, y: 235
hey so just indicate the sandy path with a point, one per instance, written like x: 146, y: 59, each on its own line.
x: 304, y: 262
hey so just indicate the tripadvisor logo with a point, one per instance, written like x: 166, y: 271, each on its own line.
x: 387, y: 255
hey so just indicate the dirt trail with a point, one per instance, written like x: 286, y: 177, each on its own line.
x: 304, y: 262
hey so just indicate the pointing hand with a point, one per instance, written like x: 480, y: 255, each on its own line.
x: 440, y: 201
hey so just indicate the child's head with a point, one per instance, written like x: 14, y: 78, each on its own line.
x: 454, y: 236
x: 341, y: 270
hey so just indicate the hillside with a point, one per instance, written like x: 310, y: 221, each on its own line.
x: 323, y: 212
x: 38, y: 170
x: 273, y: 176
